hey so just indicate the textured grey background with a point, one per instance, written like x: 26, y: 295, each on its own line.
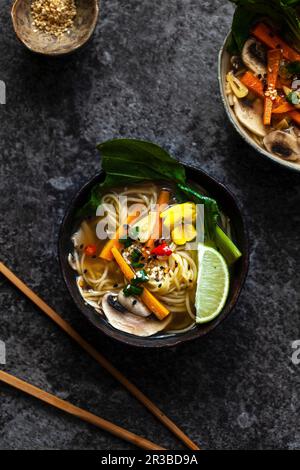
x: 149, y: 72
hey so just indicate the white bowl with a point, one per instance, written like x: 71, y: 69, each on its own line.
x: 223, y: 68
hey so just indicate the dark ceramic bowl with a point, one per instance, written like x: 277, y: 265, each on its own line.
x: 228, y: 204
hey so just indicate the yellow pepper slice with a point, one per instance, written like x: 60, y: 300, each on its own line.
x: 179, y: 214
x: 287, y: 90
x: 238, y: 88
x: 183, y: 234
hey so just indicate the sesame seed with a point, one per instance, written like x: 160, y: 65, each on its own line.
x: 271, y: 93
x: 55, y: 17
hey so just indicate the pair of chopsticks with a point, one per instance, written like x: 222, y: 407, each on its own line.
x: 75, y: 411
x: 78, y: 412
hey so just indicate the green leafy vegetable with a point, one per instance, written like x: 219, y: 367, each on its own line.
x: 214, y: 235
x: 293, y: 97
x: 282, y: 13
x: 241, y: 26
x: 92, y: 204
x: 140, y: 277
x: 232, y: 46
x: 135, y: 255
x: 226, y: 246
x: 211, y: 210
x: 127, y: 161
x: 126, y: 241
x: 293, y: 68
x: 136, y: 265
x: 132, y: 290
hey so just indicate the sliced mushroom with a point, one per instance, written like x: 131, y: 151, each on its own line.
x: 133, y: 305
x: 249, y: 113
x: 282, y: 144
x: 130, y: 323
x: 254, y: 56
x: 114, y: 303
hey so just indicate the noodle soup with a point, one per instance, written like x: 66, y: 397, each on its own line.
x: 137, y: 260
x: 262, y: 89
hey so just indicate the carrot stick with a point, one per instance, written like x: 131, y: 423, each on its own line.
x: 149, y: 300
x: 163, y: 200
x: 125, y: 268
x: 295, y: 116
x: 274, y: 57
x: 281, y: 82
x: 268, y: 106
x: 253, y: 84
x: 256, y: 86
x: 265, y: 34
x: 114, y: 242
x: 284, y: 108
x: 154, y: 305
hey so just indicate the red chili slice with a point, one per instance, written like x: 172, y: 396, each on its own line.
x: 162, y: 250
x: 90, y: 250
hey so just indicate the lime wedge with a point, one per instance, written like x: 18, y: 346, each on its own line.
x: 212, y: 284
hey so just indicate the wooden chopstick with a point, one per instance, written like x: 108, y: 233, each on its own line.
x: 67, y: 328
x: 78, y: 412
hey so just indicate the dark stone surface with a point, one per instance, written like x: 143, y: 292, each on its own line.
x: 150, y: 72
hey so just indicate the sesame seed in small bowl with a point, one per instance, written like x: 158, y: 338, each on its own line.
x: 54, y: 27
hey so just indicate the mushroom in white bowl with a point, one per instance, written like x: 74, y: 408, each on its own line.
x: 259, y: 78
